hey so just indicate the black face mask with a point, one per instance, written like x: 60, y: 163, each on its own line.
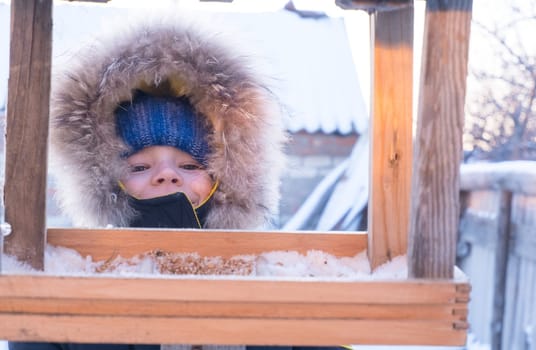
x: 171, y: 211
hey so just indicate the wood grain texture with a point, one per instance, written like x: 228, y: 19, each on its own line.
x: 214, y: 289
x: 307, y: 310
x: 230, y: 311
x: 27, y: 129
x: 435, y: 188
x: 232, y: 331
x: 102, y: 244
x: 391, y: 134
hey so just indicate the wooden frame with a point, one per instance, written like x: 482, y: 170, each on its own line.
x: 242, y: 311
x: 105, y: 243
x: 390, y: 171
x: 430, y: 308
x: 188, y: 310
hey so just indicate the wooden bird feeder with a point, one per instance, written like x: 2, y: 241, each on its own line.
x: 415, y: 213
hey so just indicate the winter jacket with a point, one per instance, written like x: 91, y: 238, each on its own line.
x: 171, y: 57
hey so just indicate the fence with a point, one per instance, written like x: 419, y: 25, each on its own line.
x: 497, y: 250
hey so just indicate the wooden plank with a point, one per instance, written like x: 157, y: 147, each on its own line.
x: 209, y: 311
x: 524, y: 227
x: 520, y: 293
x: 520, y: 307
x: 501, y: 260
x: 391, y: 134
x: 157, y: 308
x: 214, y: 289
x: 104, y: 243
x: 463, y: 246
x: 519, y: 319
x: 476, y: 228
x: 435, y: 188
x: 524, y: 244
x: 27, y: 129
x: 132, y: 330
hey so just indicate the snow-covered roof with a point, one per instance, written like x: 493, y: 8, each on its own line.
x: 312, y: 61
x: 308, y: 60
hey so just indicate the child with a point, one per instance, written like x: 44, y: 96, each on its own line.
x: 164, y: 128
x: 166, y: 177
x: 237, y: 126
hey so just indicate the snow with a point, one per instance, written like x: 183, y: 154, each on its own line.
x: 505, y: 169
x: 515, y: 176
x: 279, y: 264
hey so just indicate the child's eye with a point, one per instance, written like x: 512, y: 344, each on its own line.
x: 191, y: 166
x: 138, y: 168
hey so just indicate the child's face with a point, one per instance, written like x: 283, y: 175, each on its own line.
x: 158, y: 171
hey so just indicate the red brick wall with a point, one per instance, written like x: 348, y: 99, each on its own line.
x: 311, y: 158
x: 306, y: 144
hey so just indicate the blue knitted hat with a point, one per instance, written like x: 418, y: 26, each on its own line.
x: 162, y: 121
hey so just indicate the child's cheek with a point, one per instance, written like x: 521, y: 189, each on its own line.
x: 202, y: 185
x: 135, y: 184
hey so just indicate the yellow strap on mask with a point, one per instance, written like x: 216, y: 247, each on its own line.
x: 212, y: 191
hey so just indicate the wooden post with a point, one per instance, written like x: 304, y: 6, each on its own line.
x: 27, y: 128
x: 435, y: 189
x: 502, y: 249
x: 391, y: 134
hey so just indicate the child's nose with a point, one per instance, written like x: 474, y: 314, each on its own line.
x: 165, y: 175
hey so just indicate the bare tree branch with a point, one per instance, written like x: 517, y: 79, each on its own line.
x: 501, y: 125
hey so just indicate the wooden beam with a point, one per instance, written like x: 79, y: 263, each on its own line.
x: 159, y: 308
x: 102, y: 244
x: 435, y: 188
x: 27, y: 129
x: 232, y: 331
x: 391, y: 134
x: 210, y: 311
x: 228, y: 289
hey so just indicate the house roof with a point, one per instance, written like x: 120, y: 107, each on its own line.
x: 314, y: 72
x: 308, y: 60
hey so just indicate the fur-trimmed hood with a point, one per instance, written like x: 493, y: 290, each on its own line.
x: 246, y: 147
